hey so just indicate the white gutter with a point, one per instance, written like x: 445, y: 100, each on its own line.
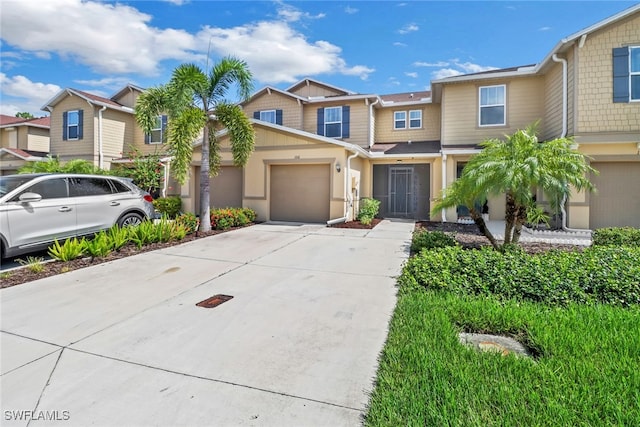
x: 563, y: 208
x: 165, y: 183
x: 100, y: 153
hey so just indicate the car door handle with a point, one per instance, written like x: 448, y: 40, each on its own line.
x: 114, y: 204
x: 64, y: 209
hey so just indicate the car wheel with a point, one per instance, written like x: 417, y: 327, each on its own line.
x: 130, y: 220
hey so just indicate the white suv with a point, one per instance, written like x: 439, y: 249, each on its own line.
x: 37, y: 209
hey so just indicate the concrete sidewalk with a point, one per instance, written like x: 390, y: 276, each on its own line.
x: 123, y: 343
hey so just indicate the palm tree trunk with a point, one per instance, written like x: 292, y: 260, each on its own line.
x: 510, y: 218
x: 482, y: 226
x: 521, y: 218
x: 205, y: 219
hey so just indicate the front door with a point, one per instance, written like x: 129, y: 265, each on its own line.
x: 401, y: 191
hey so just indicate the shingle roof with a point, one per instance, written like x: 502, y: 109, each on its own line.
x: 19, y: 121
x: 406, y: 96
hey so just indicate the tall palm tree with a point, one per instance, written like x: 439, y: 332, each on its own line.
x: 516, y: 167
x: 195, y: 104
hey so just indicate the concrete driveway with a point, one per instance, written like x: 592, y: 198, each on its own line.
x: 123, y: 343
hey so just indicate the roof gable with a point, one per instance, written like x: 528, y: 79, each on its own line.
x: 89, y: 97
x: 308, y: 84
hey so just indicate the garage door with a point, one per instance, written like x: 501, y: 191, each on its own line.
x: 225, y: 189
x: 300, y: 193
x: 617, y: 200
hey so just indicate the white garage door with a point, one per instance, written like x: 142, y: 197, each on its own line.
x: 300, y: 193
x: 617, y: 200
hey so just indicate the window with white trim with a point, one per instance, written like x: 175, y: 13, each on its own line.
x: 268, y: 116
x: 415, y: 119
x: 399, y: 119
x: 492, y: 105
x: 73, y: 124
x: 157, y: 135
x: 333, y: 122
x: 634, y: 73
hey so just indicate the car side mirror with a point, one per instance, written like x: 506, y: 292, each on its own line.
x: 29, y: 197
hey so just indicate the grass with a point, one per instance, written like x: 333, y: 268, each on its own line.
x: 586, y: 372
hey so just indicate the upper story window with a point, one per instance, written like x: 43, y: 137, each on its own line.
x: 334, y: 121
x: 157, y: 135
x: 415, y: 119
x: 270, y: 116
x: 626, y: 74
x: 492, y: 105
x: 399, y: 119
x: 72, y: 125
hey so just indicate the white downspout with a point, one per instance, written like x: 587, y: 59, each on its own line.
x: 565, y: 100
x: 165, y: 182
x: 444, y: 182
x: 100, y: 153
x: 371, y: 125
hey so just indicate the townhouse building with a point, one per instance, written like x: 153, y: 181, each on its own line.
x: 22, y: 141
x: 321, y: 148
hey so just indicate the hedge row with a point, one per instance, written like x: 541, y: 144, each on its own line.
x: 616, y: 236
x: 599, y: 274
x: 223, y: 219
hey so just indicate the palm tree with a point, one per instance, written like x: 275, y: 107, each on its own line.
x: 195, y: 105
x: 516, y: 167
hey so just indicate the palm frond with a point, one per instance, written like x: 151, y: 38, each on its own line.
x: 224, y: 74
x: 241, y: 132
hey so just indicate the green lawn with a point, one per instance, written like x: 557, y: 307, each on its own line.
x: 587, y: 372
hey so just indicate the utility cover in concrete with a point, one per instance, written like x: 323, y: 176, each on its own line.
x: 493, y: 343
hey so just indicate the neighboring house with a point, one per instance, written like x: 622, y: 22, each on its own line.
x: 320, y: 148
x: 22, y: 141
x: 101, y: 130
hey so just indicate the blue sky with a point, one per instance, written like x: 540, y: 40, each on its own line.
x: 376, y: 47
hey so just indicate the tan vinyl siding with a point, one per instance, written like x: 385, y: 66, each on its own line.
x: 117, y: 134
x: 358, y: 120
x: 313, y: 90
x: 8, y: 138
x: 37, y: 139
x: 291, y: 108
x: 553, y: 103
x: 596, y: 110
x: 128, y: 99
x: 460, y: 109
x: 74, y: 149
x: 430, y: 130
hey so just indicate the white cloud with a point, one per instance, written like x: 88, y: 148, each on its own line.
x: 21, y: 94
x: 445, y: 72
x: 468, y: 67
x: 350, y: 10
x: 109, y: 38
x: 412, y: 74
x: 114, y: 39
x: 177, y: 2
x: 400, y: 44
x: 408, y: 28
x: 108, y: 82
x: 277, y: 53
x: 430, y: 64
x: 544, y: 28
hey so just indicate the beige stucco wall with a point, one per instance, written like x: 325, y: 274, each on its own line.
x: 525, y: 105
x: 430, y: 130
x: 291, y: 108
x: 358, y: 119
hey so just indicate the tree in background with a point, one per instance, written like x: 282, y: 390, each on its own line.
x: 516, y: 167
x: 195, y: 103
x: 25, y: 115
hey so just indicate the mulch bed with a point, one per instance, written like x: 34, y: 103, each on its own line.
x: 357, y: 224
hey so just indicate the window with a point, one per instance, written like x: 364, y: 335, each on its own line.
x: 626, y: 74
x: 79, y: 187
x: 72, y: 125
x: 634, y: 73
x: 157, y: 135
x: 492, y: 105
x: 270, y: 116
x: 415, y: 119
x: 334, y: 122
x: 399, y: 119
x: 53, y: 188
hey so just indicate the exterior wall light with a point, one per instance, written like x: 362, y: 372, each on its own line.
x: 338, y: 167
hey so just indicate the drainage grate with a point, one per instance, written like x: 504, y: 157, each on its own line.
x: 214, y: 301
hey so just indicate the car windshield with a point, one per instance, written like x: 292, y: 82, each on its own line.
x: 11, y: 182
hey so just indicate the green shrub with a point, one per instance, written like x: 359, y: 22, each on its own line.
x: 368, y: 210
x: 118, y: 237
x: 143, y: 234
x: 223, y: 219
x: 424, y: 239
x: 168, y: 206
x: 100, y: 246
x: 69, y: 250
x: 616, y: 236
x: 33, y: 264
x: 189, y: 221
x: 599, y: 274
